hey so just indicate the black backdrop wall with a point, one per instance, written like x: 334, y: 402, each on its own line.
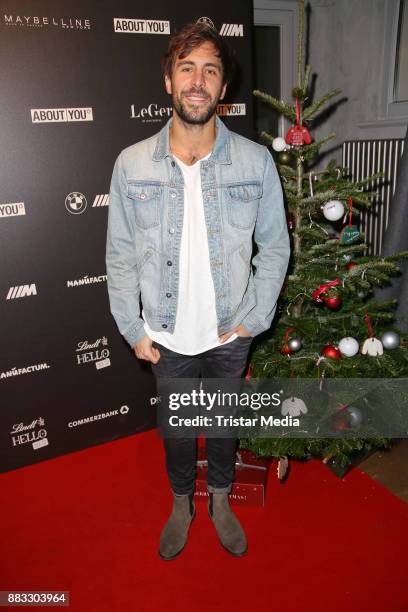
x: 80, y: 81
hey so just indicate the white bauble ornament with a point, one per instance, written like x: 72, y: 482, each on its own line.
x: 293, y: 406
x: 333, y: 210
x: 372, y: 346
x: 348, y: 346
x: 279, y: 144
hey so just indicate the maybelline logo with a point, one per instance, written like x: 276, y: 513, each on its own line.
x: 67, y: 23
x: 140, y: 26
x: 12, y: 209
x: 37, y: 367
x: 21, y: 291
x: 61, y: 115
x: 151, y: 113
x: 95, y: 352
x: 34, y: 433
x: 87, y: 280
x: 98, y: 417
x: 231, y: 110
x: 227, y: 29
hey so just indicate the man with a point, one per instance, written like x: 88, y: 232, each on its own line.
x: 185, y: 205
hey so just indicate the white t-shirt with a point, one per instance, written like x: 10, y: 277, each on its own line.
x: 196, y: 321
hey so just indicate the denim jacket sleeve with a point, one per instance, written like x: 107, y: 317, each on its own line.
x: 121, y: 269
x: 272, y: 258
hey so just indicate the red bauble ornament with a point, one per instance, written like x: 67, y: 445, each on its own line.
x: 340, y: 422
x: 331, y: 352
x: 332, y: 302
x: 285, y: 350
x: 351, y: 264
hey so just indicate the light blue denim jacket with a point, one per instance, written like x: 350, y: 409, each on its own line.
x: 242, y: 199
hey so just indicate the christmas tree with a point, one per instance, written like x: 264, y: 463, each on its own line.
x: 328, y: 325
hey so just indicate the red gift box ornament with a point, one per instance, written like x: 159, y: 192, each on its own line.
x: 298, y: 134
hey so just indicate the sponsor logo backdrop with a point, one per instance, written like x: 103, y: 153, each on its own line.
x: 79, y: 85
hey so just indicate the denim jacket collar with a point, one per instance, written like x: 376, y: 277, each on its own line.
x: 220, y: 153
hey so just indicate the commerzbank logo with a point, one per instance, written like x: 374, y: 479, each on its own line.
x: 122, y: 25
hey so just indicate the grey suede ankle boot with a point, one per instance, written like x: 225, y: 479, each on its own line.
x: 227, y: 526
x: 173, y: 538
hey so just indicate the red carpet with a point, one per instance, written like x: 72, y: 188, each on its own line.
x: 89, y: 523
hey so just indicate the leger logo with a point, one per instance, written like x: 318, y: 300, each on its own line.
x: 151, y: 113
x: 140, y: 26
x: 60, y: 115
x: 21, y: 291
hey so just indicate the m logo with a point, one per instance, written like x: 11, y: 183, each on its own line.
x: 101, y: 200
x: 21, y: 291
x: 232, y: 29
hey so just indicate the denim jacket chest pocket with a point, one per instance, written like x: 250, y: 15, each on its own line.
x: 145, y: 200
x: 242, y: 203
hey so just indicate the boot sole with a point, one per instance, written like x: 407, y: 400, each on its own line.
x: 234, y: 554
x: 181, y: 549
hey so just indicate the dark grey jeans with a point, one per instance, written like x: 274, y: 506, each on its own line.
x: 225, y: 361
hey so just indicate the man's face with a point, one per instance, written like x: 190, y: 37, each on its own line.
x: 196, y: 85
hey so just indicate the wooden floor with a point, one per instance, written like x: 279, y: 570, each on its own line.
x: 390, y: 468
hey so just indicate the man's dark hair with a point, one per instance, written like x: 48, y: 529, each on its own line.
x: 191, y: 36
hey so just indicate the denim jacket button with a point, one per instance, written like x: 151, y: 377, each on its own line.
x: 173, y: 163
x: 173, y: 195
x: 164, y: 325
x: 168, y: 295
x: 171, y: 230
x: 169, y: 263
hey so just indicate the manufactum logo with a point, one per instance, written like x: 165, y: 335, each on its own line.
x: 30, y: 369
x: 97, y: 353
x: 67, y: 23
x: 140, y: 26
x: 101, y: 200
x: 34, y: 433
x: 231, y: 110
x: 61, y: 115
x: 12, y: 209
x: 21, y: 291
x: 75, y: 203
x: 151, y: 114
x: 227, y: 29
x: 87, y: 280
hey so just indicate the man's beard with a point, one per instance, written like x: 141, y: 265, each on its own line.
x: 199, y: 114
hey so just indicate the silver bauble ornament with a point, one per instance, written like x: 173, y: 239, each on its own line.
x: 390, y: 340
x: 348, y: 346
x: 355, y: 416
x: 333, y: 210
x: 295, y: 344
x: 279, y: 144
